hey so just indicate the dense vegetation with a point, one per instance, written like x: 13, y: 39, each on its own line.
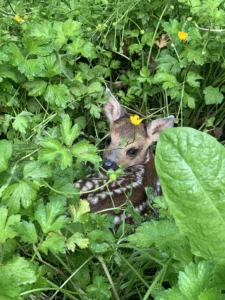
x: 159, y: 58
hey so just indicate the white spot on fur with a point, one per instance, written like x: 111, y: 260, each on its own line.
x: 102, y: 196
x: 117, y: 220
x: 117, y: 191
x: 93, y: 200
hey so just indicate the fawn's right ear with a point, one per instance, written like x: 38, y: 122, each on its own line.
x: 112, y: 109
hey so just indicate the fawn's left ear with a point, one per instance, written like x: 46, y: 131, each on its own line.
x: 155, y: 127
x: 112, y: 109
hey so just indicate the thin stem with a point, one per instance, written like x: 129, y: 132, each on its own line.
x: 71, y: 276
x: 154, y: 37
x: 102, y: 262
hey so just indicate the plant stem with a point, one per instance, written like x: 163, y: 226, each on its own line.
x: 102, y: 262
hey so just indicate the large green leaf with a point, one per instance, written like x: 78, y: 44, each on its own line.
x: 191, y: 168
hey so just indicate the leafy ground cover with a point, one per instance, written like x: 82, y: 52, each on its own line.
x: 159, y: 58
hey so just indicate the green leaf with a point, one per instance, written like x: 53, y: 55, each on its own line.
x: 53, y: 149
x: 54, y: 243
x: 48, y: 216
x: 95, y: 87
x: 66, y: 189
x: 31, y: 67
x: 168, y: 80
x: 99, y: 289
x: 35, y: 170
x: 36, y: 87
x: 38, y: 45
x: 77, y: 213
x: 21, y: 268
x: 168, y: 64
x: 27, y: 232
x: 77, y: 239
x: 190, y: 101
x: 57, y: 94
x: 14, y: 54
x: 9, y: 285
x: 20, y: 123
x: 192, y: 79
x: 191, y: 168
x: 194, y: 283
x: 69, y: 133
x: 88, y: 50
x: 71, y: 28
x: 213, y: 95
x: 6, y: 225
x: 86, y: 152
x: 52, y: 66
x: 22, y: 193
x: 5, y: 154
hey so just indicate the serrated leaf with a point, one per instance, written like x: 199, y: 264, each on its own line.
x: 6, y: 224
x: 22, y: 193
x: 66, y: 189
x: 191, y: 168
x: 192, y: 79
x: 53, y: 149
x: 71, y: 28
x: 188, y: 100
x: 37, y: 45
x: 77, y: 213
x: 54, y: 243
x: 95, y: 87
x: 14, y: 54
x: 168, y: 80
x: 48, y: 216
x: 86, y: 152
x: 213, y: 95
x: 20, y: 123
x: 69, y: 133
x: 57, y: 94
x: 114, y: 64
x: 168, y: 64
x: 5, y: 154
x: 193, y: 283
x: 3, y: 57
x: 27, y: 232
x: 9, y: 285
x: 7, y: 71
x: 52, y: 66
x: 88, y: 50
x: 36, y: 170
x: 99, y: 289
x: 21, y: 268
x: 32, y: 67
x: 36, y: 87
x: 77, y: 239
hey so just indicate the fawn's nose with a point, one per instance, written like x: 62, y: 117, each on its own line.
x: 109, y: 164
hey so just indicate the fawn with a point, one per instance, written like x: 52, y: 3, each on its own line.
x: 127, y: 146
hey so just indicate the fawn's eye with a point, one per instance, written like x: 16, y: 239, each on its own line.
x: 132, y: 151
x: 107, y: 140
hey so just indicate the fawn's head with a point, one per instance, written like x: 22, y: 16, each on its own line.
x: 128, y: 144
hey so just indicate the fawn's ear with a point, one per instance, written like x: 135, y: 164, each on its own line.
x: 112, y: 109
x: 155, y: 127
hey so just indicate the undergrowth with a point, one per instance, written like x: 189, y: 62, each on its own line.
x: 160, y: 58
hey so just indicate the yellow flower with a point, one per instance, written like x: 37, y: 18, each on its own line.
x: 19, y: 19
x: 182, y: 35
x: 135, y: 120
